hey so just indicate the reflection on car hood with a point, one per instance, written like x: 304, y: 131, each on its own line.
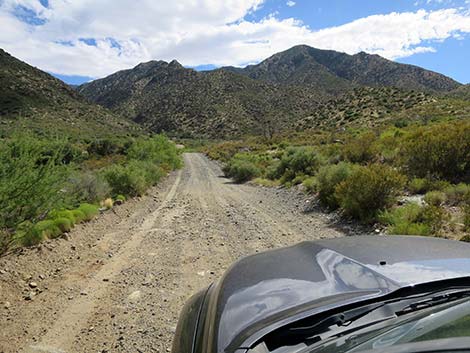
x: 272, y: 287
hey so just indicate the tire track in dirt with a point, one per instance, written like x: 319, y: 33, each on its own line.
x: 172, y: 243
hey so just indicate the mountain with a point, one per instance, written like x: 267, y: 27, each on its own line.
x: 462, y: 92
x: 300, y: 87
x: 168, y: 97
x: 33, y: 99
x: 325, y: 69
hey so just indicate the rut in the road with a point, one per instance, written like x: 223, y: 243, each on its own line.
x: 135, y: 276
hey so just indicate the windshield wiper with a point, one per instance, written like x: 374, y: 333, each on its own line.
x: 385, y: 310
x: 341, y: 319
x: 433, y: 301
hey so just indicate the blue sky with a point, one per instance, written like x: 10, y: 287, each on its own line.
x: 85, y: 39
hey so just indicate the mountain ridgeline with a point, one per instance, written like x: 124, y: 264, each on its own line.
x: 297, y: 89
x: 33, y: 99
x: 292, y: 89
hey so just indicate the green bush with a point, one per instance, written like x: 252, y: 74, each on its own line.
x: 435, y: 198
x: 130, y: 179
x: 419, y: 185
x: 63, y: 214
x: 64, y: 224
x: 423, y: 185
x: 439, y: 150
x: 457, y: 194
x: 360, y: 149
x: 466, y: 217
x: 310, y: 184
x: 157, y: 150
x: 328, y: 178
x: 368, y: 190
x: 465, y: 238
x: 241, y: 171
x: 89, y: 211
x: 295, y: 161
x: 107, y: 147
x: 413, y: 219
x: 121, y: 198
x: 32, y: 176
x: 48, y: 229
x: 78, y: 215
x: 87, y: 187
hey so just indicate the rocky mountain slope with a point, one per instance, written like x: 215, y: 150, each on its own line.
x: 300, y: 87
x: 33, y: 99
x: 325, y: 69
x: 168, y: 97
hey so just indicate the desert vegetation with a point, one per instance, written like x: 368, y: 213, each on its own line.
x: 411, y: 178
x: 49, y: 185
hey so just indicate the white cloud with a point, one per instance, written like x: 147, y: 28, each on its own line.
x: 290, y: 3
x: 197, y: 32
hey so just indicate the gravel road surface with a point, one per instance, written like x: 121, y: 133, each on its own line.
x: 117, y: 284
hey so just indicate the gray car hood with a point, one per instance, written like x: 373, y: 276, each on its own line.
x: 268, y: 290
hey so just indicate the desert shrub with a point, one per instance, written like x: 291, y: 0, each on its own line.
x: 107, y: 203
x: 47, y: 228
x: 419, y: 185
x: 423, y: 185
x: 224, y: 151
x: 328, y: 178
x: 457, y: 194
x: 78, y: 215
x: 107, y: 146
x: 435, y: 198
x: 5, y: 240
x: 67, y: 214
x: 32, y: 175
x: 405, y: 220
x: 241, y: 170
x: 64, y: 224
x: 367, y: 190
x: 90, y: 211
x: 30, y: 237
x: 121, y: 198
x: 465, y: 238
x: 87, y: 187
x: 466, y: 217
x: 266, y: 182
x: 158, y: 150
x: 297, y: 161
x: 413, y: 219
x: 439, y: 150
x: 310, y: 184
x: 130, y: 179
x: 359, y: 149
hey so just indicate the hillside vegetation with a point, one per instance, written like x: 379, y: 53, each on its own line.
x: 332, y: 71
x: 47, y: 186
x: 34, y: 100
x: 299, y: 88
x: 412, y: 179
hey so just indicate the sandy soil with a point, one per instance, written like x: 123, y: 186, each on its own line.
x: 117, y: 284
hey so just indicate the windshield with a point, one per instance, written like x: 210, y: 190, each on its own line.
x: 445, y: 321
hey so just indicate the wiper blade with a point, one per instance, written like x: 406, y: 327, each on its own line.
x: 346, y: 320
x: 433, y: 301
x: 341, y: 319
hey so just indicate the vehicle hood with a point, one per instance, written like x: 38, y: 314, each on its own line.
x: 274, y: 287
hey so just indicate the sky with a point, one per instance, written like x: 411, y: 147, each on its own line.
x: 81, y: 40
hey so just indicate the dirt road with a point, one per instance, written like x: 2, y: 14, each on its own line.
x: 117, y: 284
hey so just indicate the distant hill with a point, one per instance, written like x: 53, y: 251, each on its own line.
x: 168, y: 97
x: 334, y: 71
x: 462, y: 92
x: 297, y: 88
x: 33, y: 99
